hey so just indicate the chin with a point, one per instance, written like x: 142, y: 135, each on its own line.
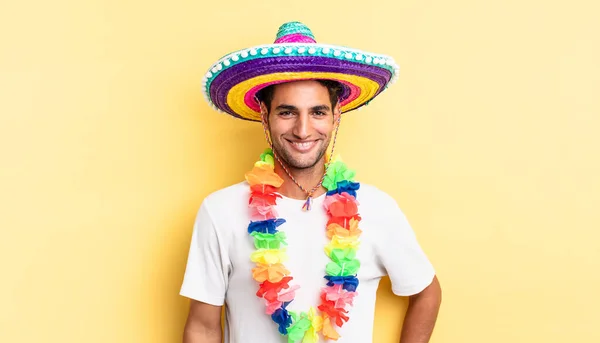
x: 296, y: 160
x: 302, y: 163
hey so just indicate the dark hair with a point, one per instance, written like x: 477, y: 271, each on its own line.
x: 334, y: 88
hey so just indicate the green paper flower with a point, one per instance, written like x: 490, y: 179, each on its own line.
x: 300, y: 324
x: 267, y: 156
x: 338, y: 171
x: 344, y: 263
x: 268, y: 240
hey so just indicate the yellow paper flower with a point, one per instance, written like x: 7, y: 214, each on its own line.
x: 262, y: 164
x: 342, y: 243
x: 269, y: 256
x: 316, y: 324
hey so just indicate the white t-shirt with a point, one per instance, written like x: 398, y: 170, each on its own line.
x: 219, y: 268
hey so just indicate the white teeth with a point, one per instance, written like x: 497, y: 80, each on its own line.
x: 303, y: 145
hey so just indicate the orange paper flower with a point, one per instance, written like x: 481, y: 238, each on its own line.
x: 263, y: 175
x: 272, y: 273
x: 328, y: 330
x: 338, y: 230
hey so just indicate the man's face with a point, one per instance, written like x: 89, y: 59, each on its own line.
x: 301, y: 121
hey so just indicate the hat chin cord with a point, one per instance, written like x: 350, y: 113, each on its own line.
x: 309, y: 193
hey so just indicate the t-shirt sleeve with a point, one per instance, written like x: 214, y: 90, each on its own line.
x: 401, y: 256
x: 207, y: 270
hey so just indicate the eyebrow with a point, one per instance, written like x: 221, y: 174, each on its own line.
x: 294, y: 108
x: 320, y: 108
x: 286, y: 107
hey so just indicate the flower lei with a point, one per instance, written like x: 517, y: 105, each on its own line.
x: 342, y: 230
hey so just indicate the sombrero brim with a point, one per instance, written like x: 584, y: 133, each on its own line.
x: 231, y: 84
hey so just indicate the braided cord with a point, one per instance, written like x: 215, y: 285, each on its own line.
x: 308, y: 193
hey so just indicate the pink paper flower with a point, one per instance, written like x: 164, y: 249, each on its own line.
x: 260, y: 208
x: 284, y: 296
x: 340, y: 296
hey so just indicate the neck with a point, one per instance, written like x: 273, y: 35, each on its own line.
x: 308, y: 178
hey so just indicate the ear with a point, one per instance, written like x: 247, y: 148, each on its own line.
x: 264, y: 116
x: 337, y: 112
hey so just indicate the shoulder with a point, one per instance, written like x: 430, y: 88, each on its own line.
x: 378, y: 206
x: 228, y: 198
x: 224, y: 209
x: 371, y: 197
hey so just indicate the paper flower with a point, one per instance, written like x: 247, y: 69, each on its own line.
x: 268, y: 240
x: 282, y: 317
x: 337, y: 172
x: 328, y: 331
x: 284, y: 296
x: 268, y: 256
x: 345, y: 186
x: 269, y: 290
x: 262, y: 164
x: 265, y: 226
x: 349, y: 283
x: 267, y: 157
x: 335, y: 229
x: 342, y: 243
x: 305, y: 327
x: 343, y: 262
x: 316, y: 324
x: 263, y: 174
x: 339, y: 296
x: 341, y: 205
x: 272, y: 273
x: 266, y: 192
x: 300, y: 324
x: 262, y: 208
x: 343, y: 221
x: 338, y: 315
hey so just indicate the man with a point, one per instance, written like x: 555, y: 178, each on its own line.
x: 297, y: 250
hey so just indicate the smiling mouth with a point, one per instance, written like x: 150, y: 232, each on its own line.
x: 302, y: 146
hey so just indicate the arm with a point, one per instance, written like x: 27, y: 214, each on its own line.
x: 203, y: 324
x: 421, y: 314
x: 205, y: 281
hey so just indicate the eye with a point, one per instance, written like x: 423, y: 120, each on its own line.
x: 285, y: 113
x: 319, y: 113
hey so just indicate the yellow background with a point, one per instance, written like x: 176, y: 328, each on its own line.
x: 489, y: 141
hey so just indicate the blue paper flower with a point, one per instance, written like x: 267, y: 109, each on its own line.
x: 282, y: 317
x: 265, y: 226
x: 349, y: 283
x: 345, y: 186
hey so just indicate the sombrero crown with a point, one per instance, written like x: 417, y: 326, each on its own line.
x: 232, y: 82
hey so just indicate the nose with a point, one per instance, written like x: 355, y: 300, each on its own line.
x: 301, y: 126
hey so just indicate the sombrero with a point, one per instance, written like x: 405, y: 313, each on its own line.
x: 232, y: 82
